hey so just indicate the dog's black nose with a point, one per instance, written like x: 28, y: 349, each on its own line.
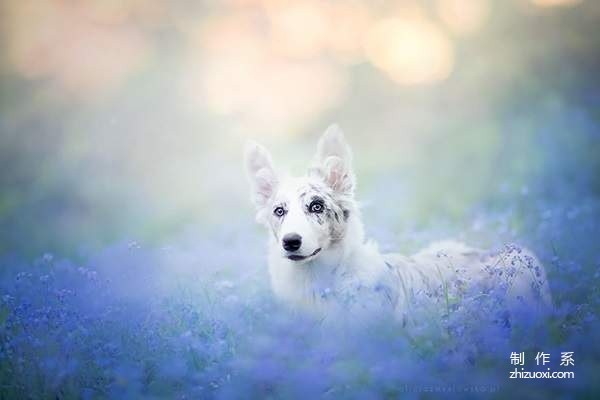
x: 292, y: 241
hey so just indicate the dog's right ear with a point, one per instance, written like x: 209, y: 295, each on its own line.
x: 260, y: 172
x: 333, y: 161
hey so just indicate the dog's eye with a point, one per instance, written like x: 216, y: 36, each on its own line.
x: 315, y: 207
x: 279, y: 211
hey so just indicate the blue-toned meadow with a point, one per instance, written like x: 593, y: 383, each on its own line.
x: 194, y: 318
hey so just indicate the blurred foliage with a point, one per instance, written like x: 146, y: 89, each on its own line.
x: 126, y: 119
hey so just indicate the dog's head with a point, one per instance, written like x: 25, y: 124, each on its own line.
x: 306, y: 215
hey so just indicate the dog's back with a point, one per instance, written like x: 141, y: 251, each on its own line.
x: 450, y: 268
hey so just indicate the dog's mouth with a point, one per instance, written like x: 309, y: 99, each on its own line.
x: 298, y: 257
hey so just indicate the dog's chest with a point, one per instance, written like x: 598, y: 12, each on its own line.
x: 318, y: 286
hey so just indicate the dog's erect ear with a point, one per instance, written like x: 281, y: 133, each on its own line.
x: 334, y: 161
x: 260, y: 171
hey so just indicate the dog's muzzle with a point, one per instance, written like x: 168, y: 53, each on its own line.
x: 298, y: 257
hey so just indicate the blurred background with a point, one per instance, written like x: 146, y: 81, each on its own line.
x: 126, y: 119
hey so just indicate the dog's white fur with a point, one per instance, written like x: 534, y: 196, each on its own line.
x: 345, y: 261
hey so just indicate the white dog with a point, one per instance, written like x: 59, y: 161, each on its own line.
x: 318, y: 255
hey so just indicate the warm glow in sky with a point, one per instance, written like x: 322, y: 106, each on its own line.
x: 550, y: 3
x: 273, y: 65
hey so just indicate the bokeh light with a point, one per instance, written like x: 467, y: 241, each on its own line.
x: 552, y: 3
x: 463, y: 17
x: 347, y: 27
x: 82, y: 48
x: 234, y: 69
x: 412, y: 51
x: 298, y: 28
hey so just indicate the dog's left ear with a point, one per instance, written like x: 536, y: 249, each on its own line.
x: 333, y: 161
x: 260, y: 172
